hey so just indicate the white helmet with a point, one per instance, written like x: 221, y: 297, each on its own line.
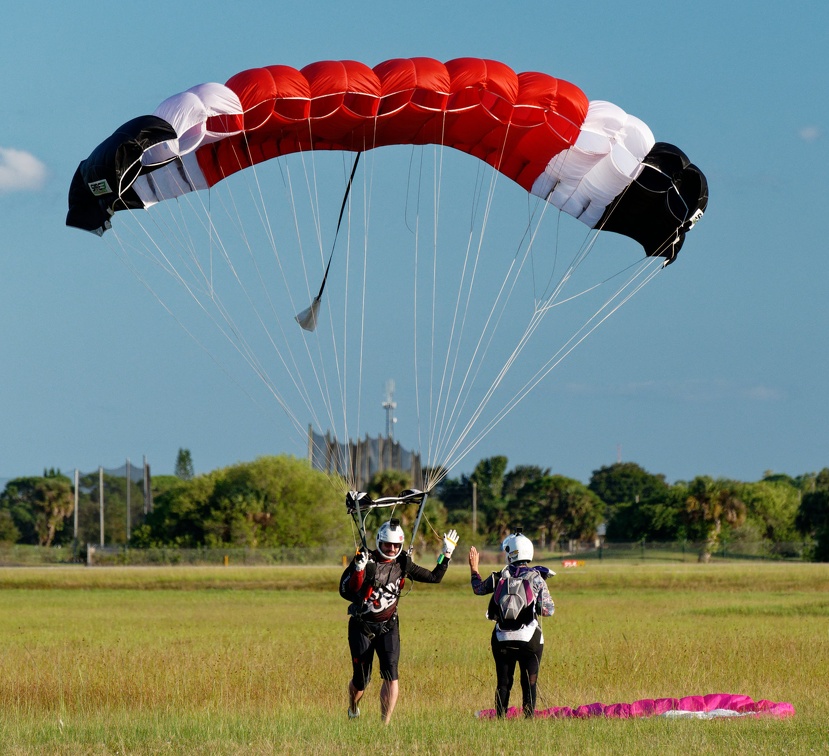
x: 390, y: 532
x: 518, y: 548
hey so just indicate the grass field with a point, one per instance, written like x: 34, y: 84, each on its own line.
x: 254, y: 660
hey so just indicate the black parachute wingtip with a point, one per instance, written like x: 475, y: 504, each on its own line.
x: 102, y: 183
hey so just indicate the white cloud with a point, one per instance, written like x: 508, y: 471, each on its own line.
x: 20, y: 171
x: 810, y: 133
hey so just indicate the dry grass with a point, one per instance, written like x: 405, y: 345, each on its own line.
x: 254, y: 660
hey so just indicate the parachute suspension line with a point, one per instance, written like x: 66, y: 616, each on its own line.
x: 292, y: 203
x: 320, y: 377
x: 648, y: 269
x: 179, y: 237
x: 449, y: 423
x: 208, y: 276
x: 439, y: 426
x: 459, y: 322
x: 582, y: 251
x: 210, y: 236
x: 481, y: 350
x: 308, y: 318
x: 341, y: 355
x: 258, y: 202
x: 434, y: 401
x: 416, y: 526
x: 443, y: 423
x: 581, y: 254
x: 528, y: 231
x: 497, y: 312
x: 531, y: 327
x: 168, y: 265
x: 293, y: 370
x: 121, y: 249
x: 317, y: 363
x: 577, y: 338
x: 529, y: 330
x: 368, y: 182
x: 416, y: 283
x: 257, y: 197
x: 360, y: 520
x: 123, y: 255
x: 550, y: 304
x: 415, y: 296
x: 578, y: 258
x: 341, y: 358
x: 237, y: 339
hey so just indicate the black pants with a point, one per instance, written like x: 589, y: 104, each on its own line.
x: 527, y: 654
x: 386, y: 645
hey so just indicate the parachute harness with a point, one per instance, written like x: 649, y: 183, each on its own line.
x: 359, y: 504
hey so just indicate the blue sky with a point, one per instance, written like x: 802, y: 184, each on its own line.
x: 719, y: 367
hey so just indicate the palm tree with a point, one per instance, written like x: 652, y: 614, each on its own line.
x: 708, y: 504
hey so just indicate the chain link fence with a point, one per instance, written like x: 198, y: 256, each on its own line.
x: 569, y: 554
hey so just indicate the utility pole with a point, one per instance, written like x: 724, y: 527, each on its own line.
x: 75, y: 516
x: 129, y: 486
x: 101, y: 501
x: 474, y: 508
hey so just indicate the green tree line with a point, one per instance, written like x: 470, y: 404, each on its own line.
x: 634, y: 505
x: 280, y: 501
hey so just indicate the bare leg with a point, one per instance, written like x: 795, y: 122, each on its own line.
x: 388, y: 699
x: 354, y: 696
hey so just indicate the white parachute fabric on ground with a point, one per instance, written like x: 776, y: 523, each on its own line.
x: 713, y: 714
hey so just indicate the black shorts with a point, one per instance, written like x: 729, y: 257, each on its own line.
x: 385, y: 645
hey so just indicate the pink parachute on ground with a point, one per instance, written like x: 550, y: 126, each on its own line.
x: 703, y: 707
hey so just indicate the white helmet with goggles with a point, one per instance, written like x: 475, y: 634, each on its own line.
x: 517, y: 548
x: 390, y: 532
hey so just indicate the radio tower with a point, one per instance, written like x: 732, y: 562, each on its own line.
x: 390, y: 406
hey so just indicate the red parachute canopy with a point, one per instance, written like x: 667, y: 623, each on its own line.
x: 590, y: 159
x: 514, y: 122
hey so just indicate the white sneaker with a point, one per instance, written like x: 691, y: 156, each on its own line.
x: 353, y: 713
